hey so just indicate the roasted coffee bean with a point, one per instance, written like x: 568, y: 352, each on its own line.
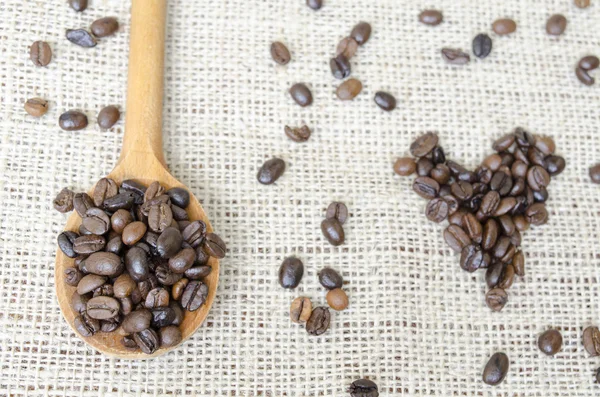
x: 501, y: 182
x: 182, y: 225
x: 349, y: 89
x: 170, y: 336
x: 128, y: 342
x: 471, y: 258
x: 594, y: 173
x: 119, y: 201
x: 537, y: 214
x: 72, y: 121
x: 523, y: 138
x: 300, y: 310
x: 550, y: 342
x: 556, y: 25
x: 124, y: 286
x: 473, y: 228
x: 290, y: 272
x: 65, y: 242
x: 537, y: 177
x: 482, y: 45
x: 337, y: 299
x: 103, y: 307
x: 82, y: 202
x: 437, y: 210
x: 153, y: 191
x: 385, y: 101
x: 315, y: 4
x: 518, y: 263
x: 445, y: 191
x: 584, y: 77
x: 333, y: 231
x: 455, y: 56
x: 179, y: 196
x: 198, y: 272
x: 507, y: 278
x: 271, y: 171
x: 108, y: 117
x: 131, y: 185
x: 545, y: 144
x: 582, y: 4
x: 96, y: 221
x: 462, y: 190
x: 405, y: 166
x: 453, y: 204
x: 298, y: 134
x: 104, y: 27
x: 589, y: 62
x: 347, y: 47
x: 493, y: 275
x: 160, y: 217
x: 81, y: 37
x: 78, y: 5
x: 426, y: 187
x: 318, y: 322
x: 72, y: 276
x: 301, y: 94
x: 194, y: 233
x: 501, y: 247
x: 157, y: 297
x: 440, y: 174
x: 340, y: 67
x: 280, y: 53
x: 473, y: 204
x: 104, y: 290
x: 504, y: 143
x: 507, y: 224
x: 536, y: 157
x: 496, y: 299
x: 214, y: 246
x: 555, y: 164
x: 178, y: 288
x: 496, y: 369
x: 89, y: 283
x: 509, y: 158
x: 79, y: 302
x: 85, y: 325
x: 519, y: 169
x: 456, y: 238
x: 133, y: 232
x: 40, y: 53
x: 136, y: 262
x: 591, y: 341
x: 424, y: 144
x: 179, y: 314
x: 182, y: 261
x: 330, y: 279
x: 424, y: 166
x: 169, y: 242
x: 105, y: 188
x: 104, y: 264
x: 147, y: 340
x: 457, y: 217
x: 431, y: 17
x: 80, y: 263
x: 338, y: 211
x: 137, y: 321
x: 363, y: 388
x: 111, y: 324
x: 522, y: 200
x: 361, y: 33
x: 194, y: 295
x: 165, y: 276
x: 36, y: 107
x: 540, y: 196
x: 518, y: 187
x: 504, y: 26
x: 490, y: 203
x: 438, y: 156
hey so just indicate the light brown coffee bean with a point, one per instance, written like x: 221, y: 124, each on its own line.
x: 405, y: 166
x: 556, y: 25
x: 591, y: 341
x: 108, y: 117
x: 431, y: 17
x: 133, y: 232
x: 105, y: 188
x: 64, y: 201
x: 36, y: 107
x: 347, y: 47
x: 496, y: 299
x: 349, y: 89
x: 455, y: 56
x: 280, y: 53
x: 40, y: 53
x: 104, y: 27
x: 582, y: 3
x: 337, y: 299
x: 504, y: 26
x: 300, y: 310
x: 296, y: 134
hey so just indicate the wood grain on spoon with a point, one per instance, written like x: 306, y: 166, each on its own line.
x: 141, y: 159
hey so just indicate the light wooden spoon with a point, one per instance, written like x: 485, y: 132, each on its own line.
x: 141, y: 159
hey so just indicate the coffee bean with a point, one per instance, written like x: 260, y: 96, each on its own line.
x: 194, y: 295
x: 81, y: 37
x: 589, y: 62
x: 290, y: 272
x: 519, y: 169
x: 137, y: 321
x: 40, y: 53
x: 455, y: 56
x: 457, y: 217
x: 496, y: 369
x: 385, y: 101
x: 79, y: 302
x: 537, y: 214
x: 65, y: 243
x: 182, y: 261
x: 437, y: 210
x: 462, y: 190
x: 104, y: 290
x: 170, y: 336
x: 296, y: 134
x: 194, y: 233
x: 36, y: 107
x: 540, y: 196
x: 508, y: 158
x: 453, y: 204
x: 456, y: 238
x: 157, y: 297
x: 472, y: 258
x: 124, y: 286
x: 504, y: 143
x: 89, y: 283
x: 160, y: 217
x: 338, y: 211
x: 537, y: 177
x: 271, y: 171
x: 584, y: 77
x: 96, y: 221
x: 440, y: 174
x: 72, y: 121
x: 301, y: 94
x: 361, y: 33
x: 363, y: 388
x: 496, y: 299
x: 523, y: 138
x: 72, y: 276
x: 555, y: 164
x: 111, y: 324
x: 133, y: 232
x: 431, y: 17
x: 104, y: 264
x: 349, y: 89
x: 438, y: 156
x: 147, y: 340
x: 591, y: 341
x: 504, y: 26
x: 426, y: 187
x: 556, y: 25
x: 405, y: 166
x: 424, y: 166
x: 82, y: 202
x: 347, y: 47
x: 340, y: 67
x: 333, y: 231
x: 64, y: 201
x: 103, y: 307
x: 178, y: 288
x: 518, y: 263
x: 165, y: 276
x: 108, y: 117
x: 300, y: 310
x: 330, y: 279
x: 315, y: 4
x: 120, y: 219
x: 424, y: 144
x: 280, y: 53
x: 105, y: 188
x: 85, y: 325
x: 133, y: 186
x: 337, y: 299
x: 550, y: 342
x: 493, y: 275
x: 490, y: 203
x: 119, y: 201
x: 104, y: 27
x: 473, y: 228
x: 169, y: 242
x: 136, y: 262
x: 507, y: 278
x: 214, y: 246
x: 482, y: 45
x: 594, y: 173
x: 78, y: 5
x: 318, y: 322
x: 153, y: 191
x: 179, y: 315
x: 582, y: 4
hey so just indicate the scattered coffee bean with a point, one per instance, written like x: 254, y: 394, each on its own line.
x: 537, y: 214
x: 594, y: 173
x: 582, y: 3
x: 556, y: 25
x: 78, y: 5
x: 426, y: 187
x: 290, y: 272
x: 108, y: 117
x: 431, y: 17
x: 349, y: 89
x: 504, y: 26
x: 584, y: 77
x: 337, y: 299
x: 301, y: 94
x: 64, y: 201
x: 330, y: 279
x: 333, y: 231
x: 81, y: 37
x: 72, y: 120
x: 347, y: 47
x: 315, y: 4
x: 318, y: 322
x: 300, y: 310
x: 338, y: 211
x: 405, y: 166
x: 424, y: 144
x: 340, y: 67
x: 482, y: 45
x: 40, y: 53
x: 589, y: 62
x: 363, y: 388
x: 385, y: 101
x: 104, y: 27
x: 496, y: 299
x: 591, y: 341
x: 496, y: 369
x: 361, y: 33
x: 36, y: 107
x: 550, y: 342
x: 296, y: 134
x: 280, y: 53
x: 270, y: 171
x: 455, y: 56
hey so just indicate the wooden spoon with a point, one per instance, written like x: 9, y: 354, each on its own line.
x: 141, y: 159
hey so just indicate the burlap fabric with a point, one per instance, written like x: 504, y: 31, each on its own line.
x: 416, y: 324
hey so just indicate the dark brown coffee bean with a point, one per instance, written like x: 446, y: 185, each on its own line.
x: 424, y: 144
x: 170, y: 336
x: 165, y: 276
x: 456, y: 238
x: 85, y: 325
x: 441, y: 174
x: 280, y: 53
x: 492, y: 162
x: 347, y: 47
x: 96, y: 221
x: 455, y: 56
x: 104, y: 290
x: 298, y: 134
x: 405, y: 166
x: 363, y: 388
x: 315, y: 4
x: 124, y: 286
x: 556, y: 25
x: 496, y: 299
x: 111, y: 324
x: 462, y: 190
x: 333, y: 231
x: 194, y: 295
x: 496, y: 369
x: 519, y: 169
x: 318, y: 322
x: 179, y: 214
x: 157, y: 297
x: 493, y: 275
x: 72, y: 121
x: 182, y: 261
x: 82, y: 202
x: 518, y: 187
x: 453, y: 204
x: 519, y: 263
x: 490, y: 203
x: 198, y: 272
x: 300, y: 310
x: 183, y: 224
x: 426, y: 187
x: 540, y: 196
x: 537, y: 177
x: 338, y: 211
x: 482, y: 45
x: 330, y: 279
x: 508, y: 158
x: 349, y: 89
x: 104, y: 264
x: 137, y: 321
x: 104, y: 27
x: 271, y: 171
x: 214, y: 246
x: 78, y: 5
x: 361, y: 33
x: 40, y: 53
x: 385, y: 101
x: 536, y: 157
x: 523, y: 138
x: 501, y: 247
x: 79, y: 302
x: 36, y: 107
x: 103, y: 307
x: 108, y: 117
x: 72, y: 276
x: 504, y: 143
x: 507, y: 278
x: 136, y: 262
x: 555, y: 164
x: 584, y: 77
x: 178, y: 288
x: 119, y: 201
x: 105, y: 188
x: 437, y: 210
x: 537, y: 214
x: 301, y: 94
x: 89, y: 283
x: 484, y: 176
x: 64, y: 201
x: 169, y: 242
x: 166, y: 316
x: 153, y: 191
x: 431, y: 17
x: 589, y: 62
x: 471, y: 258
x: 582, y: 4
x: 147, y: 340
x: 501, y: 182
x: 504, y: 26
x: 550, y: 342
x: 88, y: 244
x: 340, y: 67
x: 591, y: 341
x: 438, y: 156
x: 194, y: 233
x: 81, y: 37
x: 545, y: 144
x: 457, y: 217
x: 290, y: 272
x: 120, y: 219
x: 160, y: 217
x: 473, y: 228
x: 424, y: 166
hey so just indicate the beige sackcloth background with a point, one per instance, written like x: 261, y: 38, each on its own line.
x: 417, y: 324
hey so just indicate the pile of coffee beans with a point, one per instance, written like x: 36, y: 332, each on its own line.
x: 138, y: 261
x: 586, y: 65
x: 488, y: 208
x: 363, y: 388
x: 332, y: 226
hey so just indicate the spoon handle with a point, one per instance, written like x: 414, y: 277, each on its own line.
x: 143, y: 123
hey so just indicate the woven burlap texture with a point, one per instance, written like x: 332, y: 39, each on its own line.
x: 417, y: 324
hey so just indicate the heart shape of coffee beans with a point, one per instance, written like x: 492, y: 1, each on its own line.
x: 487, y: 209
